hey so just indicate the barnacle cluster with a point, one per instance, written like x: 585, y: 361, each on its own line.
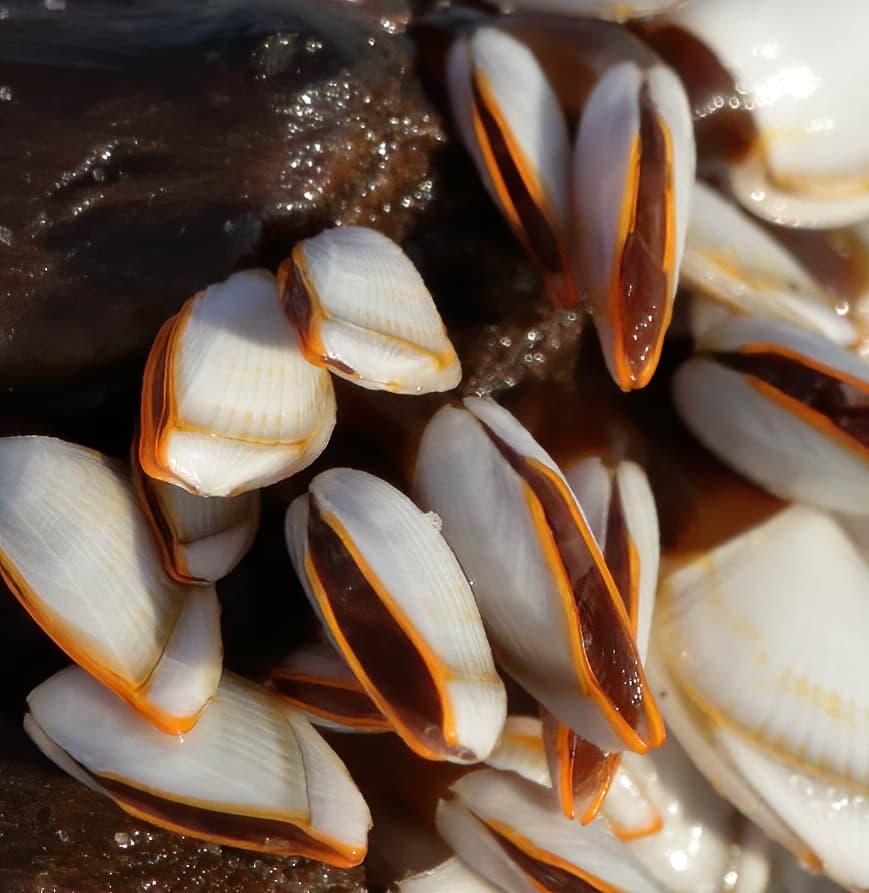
x: 497, y: 606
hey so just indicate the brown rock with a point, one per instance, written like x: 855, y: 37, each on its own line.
x: 149, y: 151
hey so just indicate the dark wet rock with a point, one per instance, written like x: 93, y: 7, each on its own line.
x: 56, y: 835
x: 150, y: 149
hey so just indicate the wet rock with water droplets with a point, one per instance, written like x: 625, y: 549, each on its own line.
x: 150, y: 152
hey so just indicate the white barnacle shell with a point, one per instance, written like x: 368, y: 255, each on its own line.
x: 767, y: 692
x: 732, y: 260
x: 680, y: 830
x: 608, y: 214
x: 617, y: 10
x: 397, y: 605
x: 512, y: 832
x: 316, y: 680
x: 521, y: 750
x: 686, y: 837
x: 363, y: 311
x: 798, y: 686
x: 76, y: 550
x: 617, y: 500
x: 512, y: 124
x: 201, y: 538
x: 229, y: 403
x: 253, y: 773
x: 783, y: 406
x: 450, y: 876
x: 524, y: 542
x: 795, y: 63
x: 634, y: 163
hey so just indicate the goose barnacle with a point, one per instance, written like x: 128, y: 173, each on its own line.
x: 362, y: 311
x: 253, y: 772
x: 540, y: 578
x: 100, y: 590
x: 783, y: 406
x: 397, y: 605
x: 229, y: 403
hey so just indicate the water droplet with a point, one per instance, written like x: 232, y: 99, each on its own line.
x: 435, y: 520
x: 122, y: 839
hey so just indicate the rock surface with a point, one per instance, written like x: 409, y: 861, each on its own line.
x: 151, y: 149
